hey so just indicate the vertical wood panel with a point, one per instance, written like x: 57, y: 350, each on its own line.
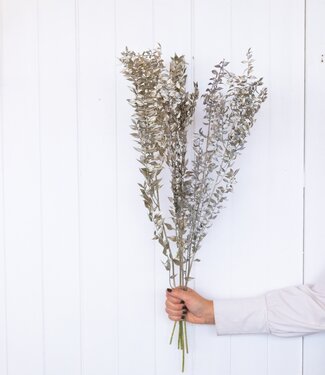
x: 176, y: 38
x: 251, y: 198
x: 22, y: 187
x: 136, y: 326
x: 60, y: 185
x: 3, y: 299
x: 3, y: 277
x: 98, y: 186
x: 314, y: 360
x: 212, y: 43
x: 286, y: 167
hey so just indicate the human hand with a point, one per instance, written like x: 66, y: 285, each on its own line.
x: 189, y: 305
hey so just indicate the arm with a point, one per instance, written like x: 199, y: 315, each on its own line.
x: 291, y: 311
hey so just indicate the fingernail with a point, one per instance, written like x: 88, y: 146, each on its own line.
x: 169, y: 290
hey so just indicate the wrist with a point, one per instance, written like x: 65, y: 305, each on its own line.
x: 209, y: 316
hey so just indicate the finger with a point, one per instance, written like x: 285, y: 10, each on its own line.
x: 172, y: 311
x: 172, y: 298
x: 180, y: 294
x: 174, y: 306
x: 179, y: 313
x: 175, y: 317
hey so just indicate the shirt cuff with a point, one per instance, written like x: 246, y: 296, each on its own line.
x: 240, y: 315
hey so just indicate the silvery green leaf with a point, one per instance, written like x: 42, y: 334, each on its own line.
x: 168, y: 226
x: 162, y: 117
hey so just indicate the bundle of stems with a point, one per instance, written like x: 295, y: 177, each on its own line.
x: 163, y: 114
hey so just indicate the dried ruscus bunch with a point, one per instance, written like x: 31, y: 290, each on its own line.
x: 230, y: 105
x: 163, y: 113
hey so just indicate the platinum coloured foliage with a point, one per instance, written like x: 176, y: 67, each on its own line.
x: 162, y: 117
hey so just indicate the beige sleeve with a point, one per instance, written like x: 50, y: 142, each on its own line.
x: 291, y: 311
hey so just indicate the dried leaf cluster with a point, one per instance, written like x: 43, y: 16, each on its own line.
x: 163, y: 114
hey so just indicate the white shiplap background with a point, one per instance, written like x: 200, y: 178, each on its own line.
x: 81, y: 283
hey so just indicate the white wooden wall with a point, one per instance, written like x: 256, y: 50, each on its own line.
x: 81, y: 283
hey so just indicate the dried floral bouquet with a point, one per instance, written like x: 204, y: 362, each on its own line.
x: 163, y: 113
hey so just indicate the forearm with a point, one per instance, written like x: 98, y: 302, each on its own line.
x: 240, y: 315
x: 287, y: 312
